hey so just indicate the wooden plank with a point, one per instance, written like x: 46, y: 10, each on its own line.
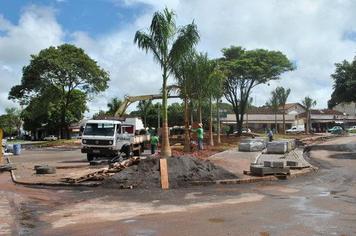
x: 164, y: 173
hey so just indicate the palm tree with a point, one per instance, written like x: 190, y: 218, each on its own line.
x: 273, y: 103
x: 308, y: 103
x: 213, y: 89
x: 184, y: 72
x: 201, y: 84
x: 113, y: 106
x: 218, y: 92
x: 168, y: 45
x: 144, y: 107
x: 282, y: 95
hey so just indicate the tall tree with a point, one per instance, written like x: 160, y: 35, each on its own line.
x: 184, y: 73
x: 144, y: 107
x: 245, y: 69
x: 113, y: 106
x: 282, y: 95
x: 63, y: 70
x: 217, y: 93
x: 344, y: 83
x: 273, y: 103
x: 168, y: 45
x: 14, y: 116
x: 308, y: 103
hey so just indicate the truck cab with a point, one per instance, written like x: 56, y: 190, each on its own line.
x: 109, y: 138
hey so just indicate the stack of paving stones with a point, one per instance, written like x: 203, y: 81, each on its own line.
x: 252, y: 145
x: 279, y: 158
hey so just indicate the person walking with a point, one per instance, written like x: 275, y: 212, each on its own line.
x: 154, y: 143
x: 270, y: 135
x: 200, y: 136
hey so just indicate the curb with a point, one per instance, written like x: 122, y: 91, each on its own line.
x: 254, y: 180
x: 54, y: 184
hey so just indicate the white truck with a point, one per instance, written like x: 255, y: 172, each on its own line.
x: 296, y: 129
x: 109, y: 138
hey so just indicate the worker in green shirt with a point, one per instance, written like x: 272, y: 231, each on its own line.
x: 200, y: 136
x: 154, y: 143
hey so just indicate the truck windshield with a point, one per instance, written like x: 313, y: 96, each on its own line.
x: 99, y: 129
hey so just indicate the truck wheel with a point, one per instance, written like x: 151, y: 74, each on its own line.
x: 127, y: 150
x: 90, y: 157
x: 137, y: 152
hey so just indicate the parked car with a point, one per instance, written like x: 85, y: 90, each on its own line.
x: 244, y: 131
x: 352, y: 129
x: 296, y: 129
x: 336, y: 130
x: 50, y: 138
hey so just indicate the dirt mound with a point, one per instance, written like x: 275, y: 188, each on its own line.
x: 182, y: 171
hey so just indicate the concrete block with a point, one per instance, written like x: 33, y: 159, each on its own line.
x: 292, y: 163
x: 262, y: 171
x: 252, y: 145
x: 267, y: 163
x: 291, y: 143
x: 277, y: 164
x: 274, y: 164
x: 277, y: 147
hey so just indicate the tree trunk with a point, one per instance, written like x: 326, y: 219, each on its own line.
x: 218, y: 121
x: 308, y: 125
x: 186, y: 126
x: 211, y: 138
x: 284, y: 120
x: 236, y: 111
x: 166, y: 148
x: 199, y: 112
x: 275, y: 121
x: 191, y: 112
x: 247, y: 120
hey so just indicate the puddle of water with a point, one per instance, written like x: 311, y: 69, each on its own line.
x: 324, y: 194
x: 129, y: 221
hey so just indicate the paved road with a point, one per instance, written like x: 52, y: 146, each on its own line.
x: 323, y: 203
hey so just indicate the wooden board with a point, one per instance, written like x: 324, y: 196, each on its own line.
x: 164, y: 173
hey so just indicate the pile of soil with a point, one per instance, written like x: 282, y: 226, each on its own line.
x: 181, y: 170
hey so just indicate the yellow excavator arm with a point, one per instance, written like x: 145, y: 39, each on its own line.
x: 131, y: 99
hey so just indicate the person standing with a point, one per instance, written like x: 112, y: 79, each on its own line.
x: 154, y: 143
x: 200, y: 136
x: 270, y: 135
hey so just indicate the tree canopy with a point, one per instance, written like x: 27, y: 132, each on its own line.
x: 59, y: 79
x: 344, y: 83
x: 244, y: 70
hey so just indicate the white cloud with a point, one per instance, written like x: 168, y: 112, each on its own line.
x: 37, y: 29
x: 308, y: 32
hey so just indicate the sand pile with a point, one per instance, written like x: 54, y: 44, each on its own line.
x: 182, y: 171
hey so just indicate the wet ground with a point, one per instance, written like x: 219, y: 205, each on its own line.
x: 322, y: 203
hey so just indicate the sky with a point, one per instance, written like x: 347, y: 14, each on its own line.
x: 314, y: 34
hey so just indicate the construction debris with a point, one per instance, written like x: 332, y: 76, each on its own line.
x: 102, y: 173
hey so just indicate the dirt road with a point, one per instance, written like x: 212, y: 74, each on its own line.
x: 323, y: 203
